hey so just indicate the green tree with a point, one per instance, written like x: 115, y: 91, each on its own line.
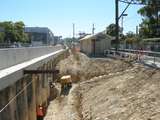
x: 150, y: 22
x: 133, y: 40
x: 131, y: 37
x: 20, y: 35
x: 8, y: 31
x: 2, y: 35
x: 68, y: 41
x: 13, y: 32
x: 111, y: 30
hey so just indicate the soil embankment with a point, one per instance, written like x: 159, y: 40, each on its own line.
x: 107, y: 89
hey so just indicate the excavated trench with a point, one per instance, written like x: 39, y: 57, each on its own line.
x: 66, y: 105
x: 105, y: 89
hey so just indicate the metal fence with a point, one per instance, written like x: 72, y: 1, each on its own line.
x: 147, y: 57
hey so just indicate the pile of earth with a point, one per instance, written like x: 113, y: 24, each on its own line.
x: 108, y: 89
x: 81, y: 67
x: 129, y: 95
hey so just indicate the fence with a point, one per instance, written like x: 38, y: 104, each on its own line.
x: 148, y: 57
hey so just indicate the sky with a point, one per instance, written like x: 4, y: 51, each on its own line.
x: 59, y: 15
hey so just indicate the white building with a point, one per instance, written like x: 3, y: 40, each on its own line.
x: 95, y: 44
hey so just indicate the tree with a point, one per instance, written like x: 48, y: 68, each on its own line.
x: 131, y: 37
x: 21, y: 36
x: 150, y: 22
x: 111, y: 30
x: 13, y: 32
x: 8, y: 31
x: 68, y: 41
x: 2, y: 35
x: 132, y: 40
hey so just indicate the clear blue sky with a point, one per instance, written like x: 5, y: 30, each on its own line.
x: 59, y: 15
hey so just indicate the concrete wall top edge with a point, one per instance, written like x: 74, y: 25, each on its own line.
x: 27, y: 47
x: 8, y: 78
x: 13, y: 56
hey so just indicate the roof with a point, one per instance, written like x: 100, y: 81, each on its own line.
x: 87, y: 37
x: 101, y: 35
x: 36, y: 29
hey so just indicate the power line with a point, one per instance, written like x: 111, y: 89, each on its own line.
x: 133, y: 2
x: 125, y: 9
x: 73, y: 31
x: 93, y: 29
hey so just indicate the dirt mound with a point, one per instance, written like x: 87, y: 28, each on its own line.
x: 82, y: 67
x: 129, y: 95
x: 110, y: 90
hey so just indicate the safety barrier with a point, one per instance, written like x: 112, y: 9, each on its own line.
x: 148, y: 57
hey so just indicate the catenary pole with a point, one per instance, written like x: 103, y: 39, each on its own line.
x: 117, y: 23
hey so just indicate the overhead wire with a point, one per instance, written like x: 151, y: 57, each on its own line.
x: 131, y: 2
x: 136, y: 3
x: 20, y: 92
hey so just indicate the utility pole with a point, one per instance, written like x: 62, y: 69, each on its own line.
x: 122, y: 21
x: 117, y: 17
x: 122, y: 24
x: 137, y: 30
x: 73, y: 31
x: 117, y: 23
x: 93, y: 29
x: 157, y: 9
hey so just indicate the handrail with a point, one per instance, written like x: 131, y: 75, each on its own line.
x: 150, y: 58
x: 132, y: 50
x: 149, y: 53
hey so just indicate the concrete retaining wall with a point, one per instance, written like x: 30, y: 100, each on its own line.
x: 25, y: 104
x: 13, y: 56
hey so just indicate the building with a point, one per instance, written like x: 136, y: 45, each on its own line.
x: 95, y: 44
x: 40, y: 36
